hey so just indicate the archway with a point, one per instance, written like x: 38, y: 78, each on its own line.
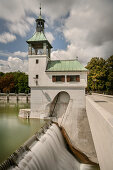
x: 59, y: 105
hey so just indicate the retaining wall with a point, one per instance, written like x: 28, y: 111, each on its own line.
x: 101, y: 124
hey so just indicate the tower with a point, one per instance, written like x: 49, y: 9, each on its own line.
x: 39, y: 50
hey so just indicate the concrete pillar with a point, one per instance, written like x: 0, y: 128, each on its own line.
x: 17, y: 97
x: 7, y: 97
x: 49, y: 51
x: 30, y: 50
x: 27, y: 98
x: 44, y: 48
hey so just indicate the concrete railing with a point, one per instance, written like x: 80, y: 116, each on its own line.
x: 107, y: 97
x: 101, y: 124
x: 14, y: 97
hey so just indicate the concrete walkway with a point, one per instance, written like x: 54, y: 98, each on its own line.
x: 103, y: 102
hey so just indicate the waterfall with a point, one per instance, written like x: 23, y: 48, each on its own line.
x: 50, y: 153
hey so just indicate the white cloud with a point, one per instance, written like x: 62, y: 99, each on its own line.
x: 86, y: 25
x: 14, y: 54
x: 7, y: 37
x: 21, y: 27
x: 88, y: 29
x: 49, y: 36
x: 17, y: 13
x: 14, y: 64
x: 20, y: 54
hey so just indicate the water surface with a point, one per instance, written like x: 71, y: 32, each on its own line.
x: 14, y: 131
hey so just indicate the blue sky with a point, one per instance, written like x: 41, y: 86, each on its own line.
x: 82, y: 28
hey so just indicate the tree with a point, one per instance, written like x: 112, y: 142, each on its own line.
x: 7, y: 83
x: 23, y: 83
x: 109, y: 68
x: 15, y: 82
x: 97, y: 74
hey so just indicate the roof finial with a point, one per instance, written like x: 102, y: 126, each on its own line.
x: 40, y: 9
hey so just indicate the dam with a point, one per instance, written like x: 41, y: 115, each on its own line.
x: 57, y: 93
x: 71, y: 141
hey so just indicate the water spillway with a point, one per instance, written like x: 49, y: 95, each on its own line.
x: 50, y: 153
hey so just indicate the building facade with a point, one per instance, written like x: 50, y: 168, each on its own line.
x: 47, y: 78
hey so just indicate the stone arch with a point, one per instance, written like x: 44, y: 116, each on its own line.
x: 59, y: 104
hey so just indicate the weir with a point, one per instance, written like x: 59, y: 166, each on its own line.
x: 46, y: 150
x: 57, y: 90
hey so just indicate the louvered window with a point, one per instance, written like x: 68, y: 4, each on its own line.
x: 78, y: 78
x: 75, y: 78
x: 54, y: 78
x: 58, y: 78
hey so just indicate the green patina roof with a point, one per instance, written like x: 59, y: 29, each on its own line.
x: 38, y: 36
x: 64, y: 65
x: 40, y: 17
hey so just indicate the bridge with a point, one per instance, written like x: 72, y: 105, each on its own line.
x: 100, y: 115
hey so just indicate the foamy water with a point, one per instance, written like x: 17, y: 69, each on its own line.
x: 50, y: 153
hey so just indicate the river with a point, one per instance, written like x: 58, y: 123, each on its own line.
x: 14, y: 131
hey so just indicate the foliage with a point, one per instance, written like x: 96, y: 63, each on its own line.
x: 100, y: 76
x: 109, y: 68
x: 14, y: 82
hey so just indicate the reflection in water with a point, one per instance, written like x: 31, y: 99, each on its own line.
x: 14, y: 131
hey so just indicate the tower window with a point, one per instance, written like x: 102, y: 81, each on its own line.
x: 36, y: 76
x: 37, y: 61
x: 75, y: 78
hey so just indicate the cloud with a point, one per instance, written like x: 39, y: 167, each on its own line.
x: 88, y: 29
x: 49, y: 36
x: 18, y: 13
x: 14, y: 54
x: 21, y: 27
x: 14, y: 64
x: 20, y: 54
x: 7, y: 37
x: 85, y: 25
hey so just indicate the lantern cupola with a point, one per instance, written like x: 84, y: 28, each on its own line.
x: 38, y: 43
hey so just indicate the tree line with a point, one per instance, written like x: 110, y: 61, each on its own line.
x: 100, y: 75
x: 14, y: 82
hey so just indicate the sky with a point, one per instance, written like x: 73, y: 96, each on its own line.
x: 82, y: 28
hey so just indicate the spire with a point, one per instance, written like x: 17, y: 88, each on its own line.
x: 40, y: 22
x: 40, y: 16
x: 40, y: 9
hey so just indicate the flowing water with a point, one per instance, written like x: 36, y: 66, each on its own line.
x: 14, y: 131
x: 50, y: 153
